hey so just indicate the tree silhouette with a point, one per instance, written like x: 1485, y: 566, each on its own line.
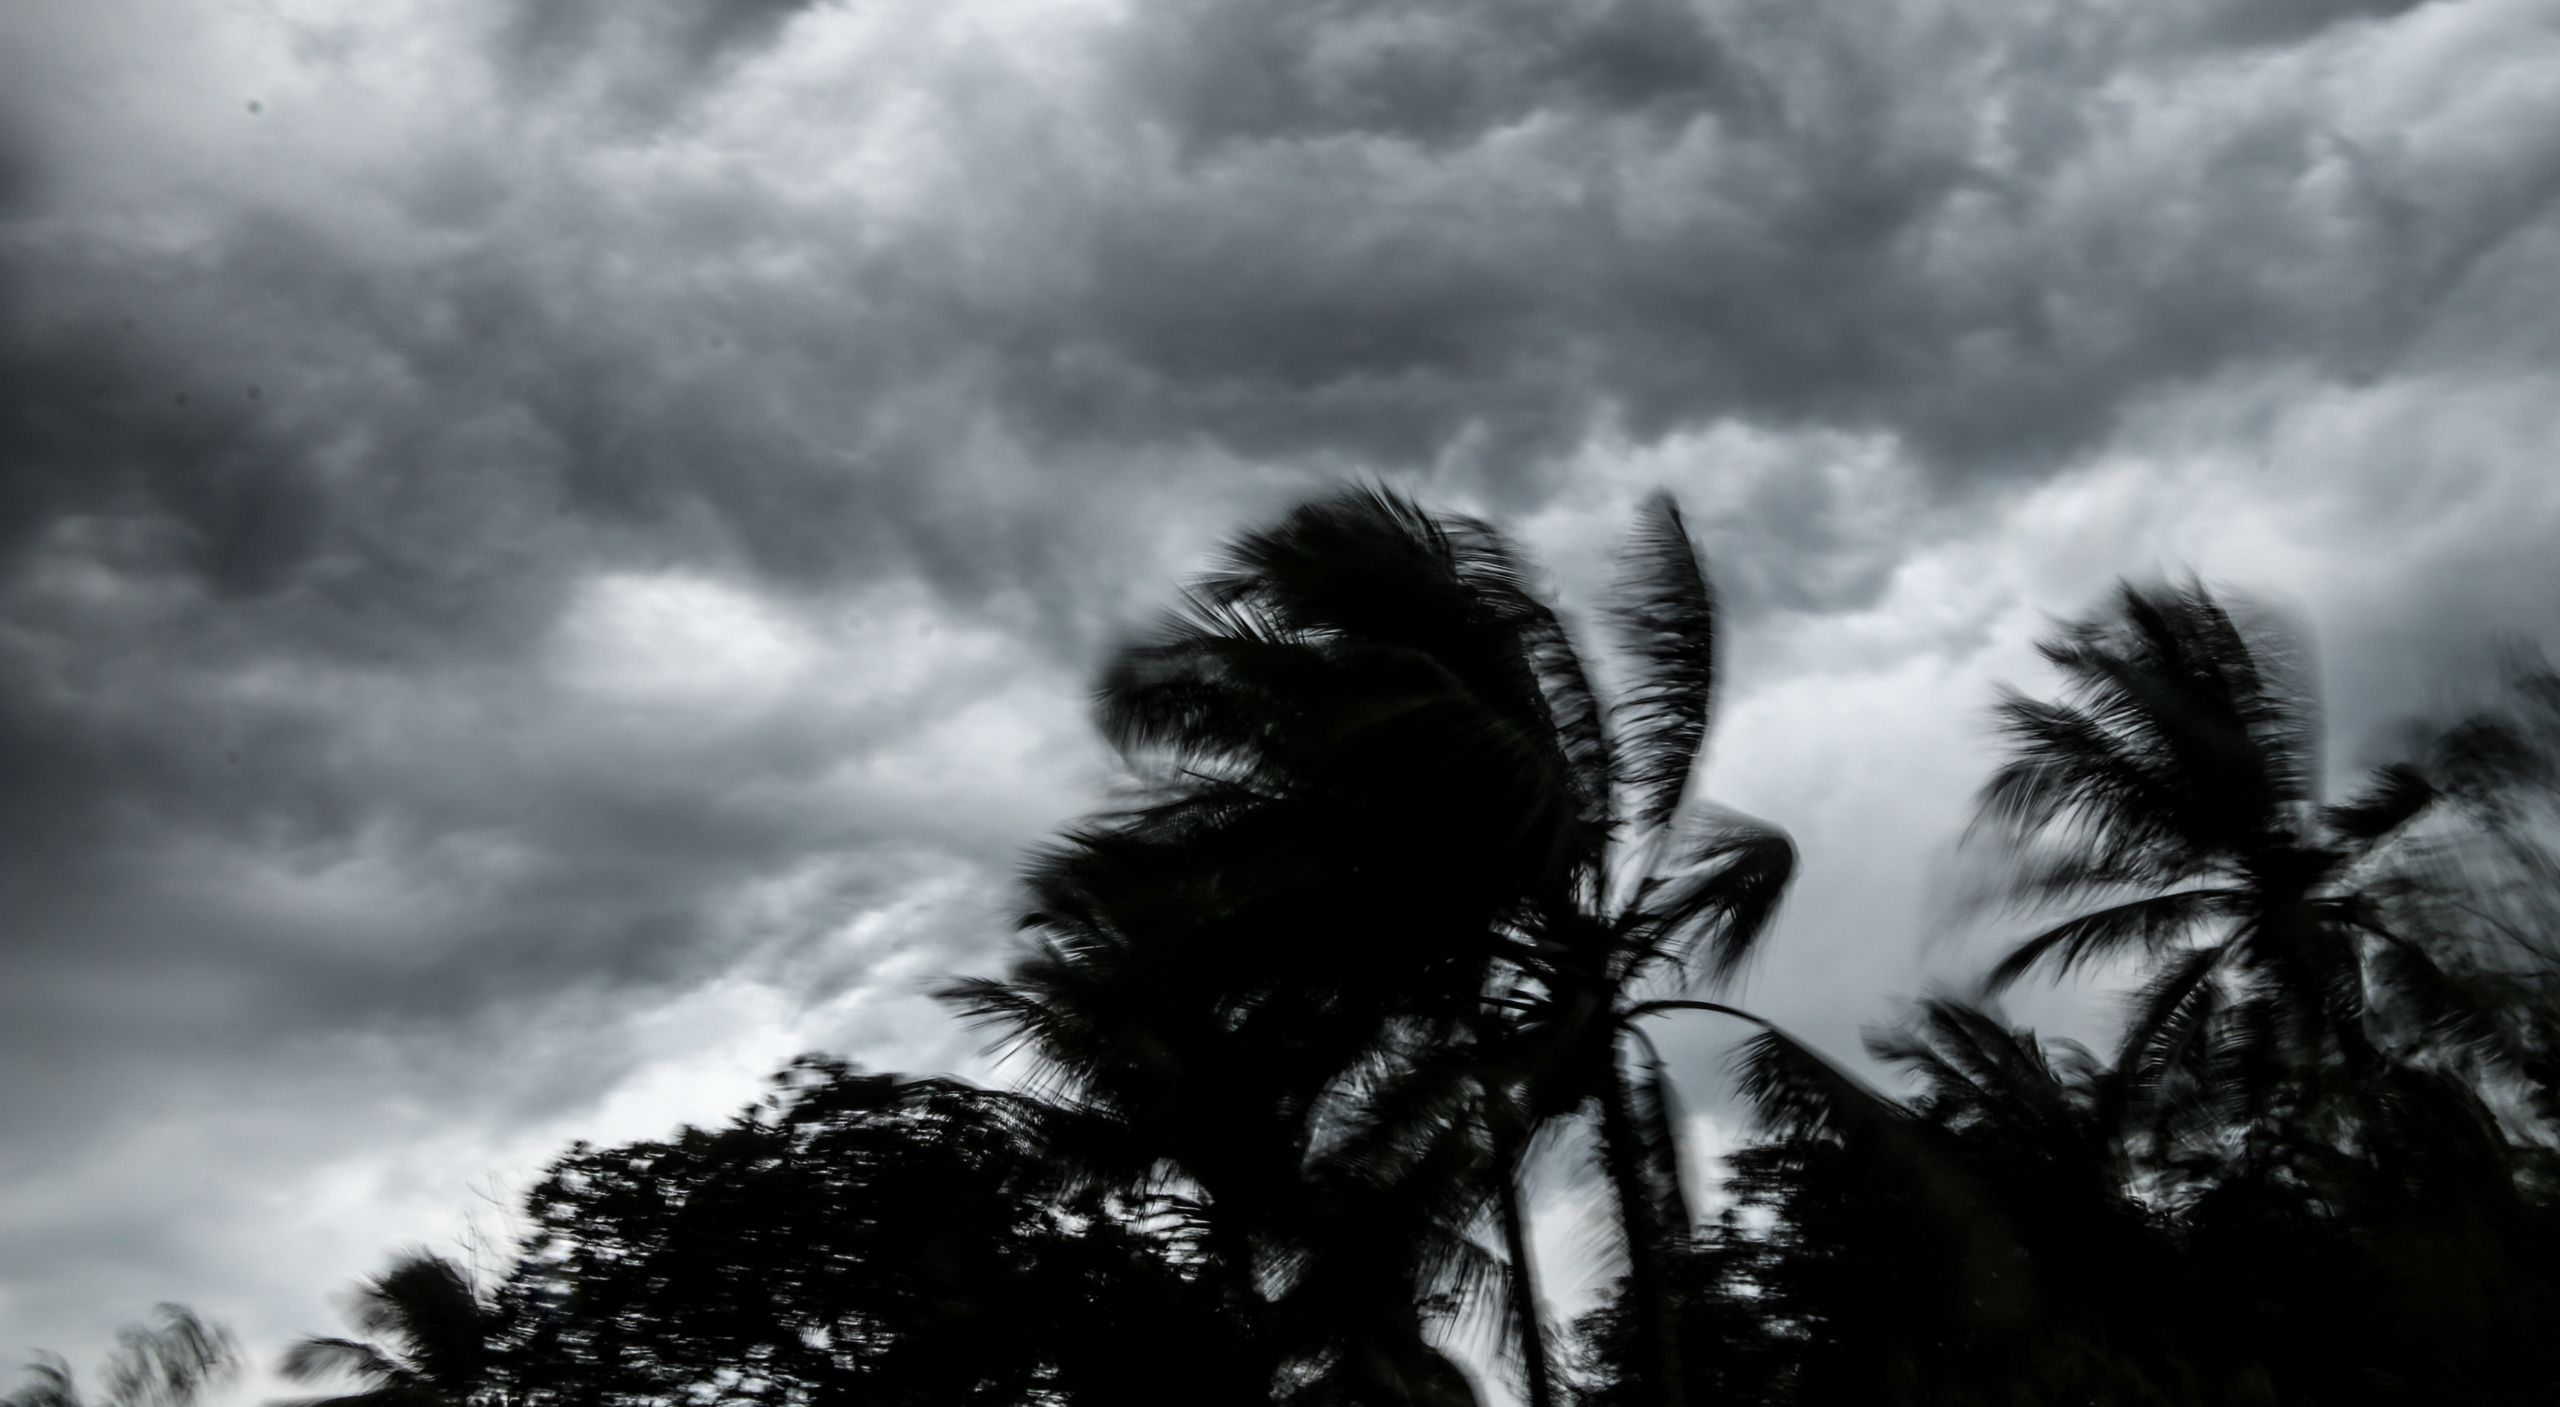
x: 1383, y: 810
x: 1986, y: 1240
x: 169, y: 1363
x: 2169, y: 802
x: 427, y: 1341
x: 1673, y: 895
x: 2490, y: 893
x: 1393, y: 891
x: 1345, y: 762
x: 857, y: 1237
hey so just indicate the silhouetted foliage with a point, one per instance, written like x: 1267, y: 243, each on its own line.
x: 855, y: 1238
x: 171, y: 1362
x: 1392, y: 891
x: 428, y: 1347
x: 2310, y: 1176
x: 1989, y: 1242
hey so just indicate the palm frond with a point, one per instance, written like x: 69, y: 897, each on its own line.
x: 2150, y: 924
x: 2460, y: 1015
x: 2395, y: 796
x: 1369, y: 565
x: 1654, y: 1104
x: 2168, y: 1030
x: 2482, y: 759
x: 1709, y: 912
x: 1412, y: 1109
x: 2069, y: 772
x: 50, y: 1384
x: 1798, y: 1094
x: 1580, y: 722
x: 2181, y: 737
x: 321, y: 1357
x: 1666, y: 618
x: 172, y: 1362
x: 2262, y: 662
x: 1973, y: 1066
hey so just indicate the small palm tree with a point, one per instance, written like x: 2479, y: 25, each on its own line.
x: 427, y: 1344
x: 1672, y: 894
x: 170, y: 1363
x: 2169, y: 804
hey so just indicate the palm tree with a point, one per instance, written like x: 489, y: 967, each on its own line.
x: 1346, y: 756
x: 1384, y: 810
x: 2168, y: 802
x: 429, y: 1341
x: 2491, y: 891
x: 167, y: 1364
x: 1673, y: 895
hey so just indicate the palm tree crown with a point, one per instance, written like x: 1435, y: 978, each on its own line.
x: 1386, y: 828
x: 2169, y: 801
x: 427, y: 1345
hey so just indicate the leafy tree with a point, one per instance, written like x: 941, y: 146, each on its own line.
x: 856, y: 1237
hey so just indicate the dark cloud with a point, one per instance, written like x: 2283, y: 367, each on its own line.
x: 2268, y: 22
x: 1989, y: 241
x: 1439, y: 74
x: 567, y: 514
x: 1992, y: 268
x: 19, y: 176
x: 637, y: 61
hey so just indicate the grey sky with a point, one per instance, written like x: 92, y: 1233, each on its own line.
x: 550, y: 552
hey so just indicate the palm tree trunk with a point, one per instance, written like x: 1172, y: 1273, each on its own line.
x: 1524, y: 1286
x: 1657, y: 1340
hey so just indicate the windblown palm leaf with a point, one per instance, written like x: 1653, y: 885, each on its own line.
x: 1667, y: 624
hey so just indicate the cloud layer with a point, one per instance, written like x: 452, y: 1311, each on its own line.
x: 549, y: 553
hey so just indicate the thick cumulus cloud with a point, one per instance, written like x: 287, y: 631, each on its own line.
x: 549, y: 552
x: 1988, y: 235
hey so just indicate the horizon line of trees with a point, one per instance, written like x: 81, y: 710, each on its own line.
x: 1374, y: 936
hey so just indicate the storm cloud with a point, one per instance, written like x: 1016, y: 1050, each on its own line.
x: 550, y: 553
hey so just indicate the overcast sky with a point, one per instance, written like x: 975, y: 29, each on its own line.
x: 551, y: 551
